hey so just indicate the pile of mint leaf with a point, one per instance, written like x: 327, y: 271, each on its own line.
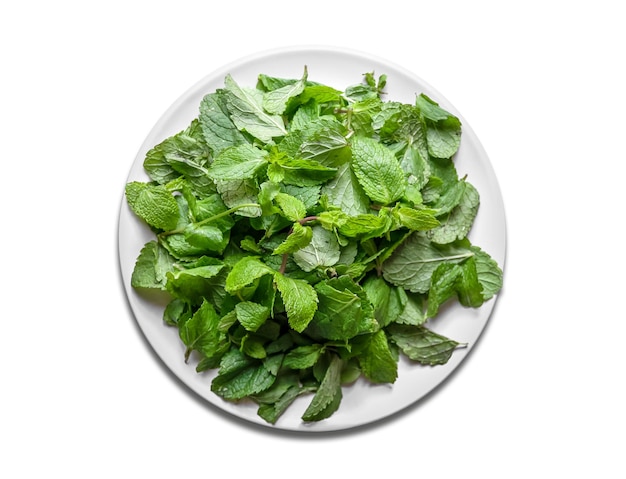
x: 306, y: 237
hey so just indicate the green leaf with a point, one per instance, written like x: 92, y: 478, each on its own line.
x: 275, y: 101
x: 377, y: 171
x: 388, y: 301
x: 217, y: 127
x: 153, y: 203
x: 152, y: 266
x: 299, y: 172
x: 443, y: 133
x: 247, y: 113
x: 186, y: 146
x: 327, y: 144
x: 345, y: 192
x: 300, y: 300
x: 251, y: 315
x: 291, y: 207
x: 246, y: 271
x: 322, y: 251
x: 196, y: 280
x: 457, y: 224
x: 489, y: 273
x: 201, y: 332
x: 328, y: 395
x: 376, y: 361
x: 344, y: 310
x: 299, y: 237
x: 422, y: 345
x: 413, y: 263
x: 240, y: 377
x: 416, y: 220
x: 303, y: 357
x: 235, y: 193
x: 365, y: 226
x: 238, y: 163
x: 207, y: 237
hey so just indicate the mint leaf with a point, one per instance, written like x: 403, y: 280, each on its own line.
x: 328, y: 395
x: 489, y: 273
x: 416, y: 220
x: 246, y: 108
x: 388, y: 301
x: 344, y: 310
x: 152, y: 266
x: 299, y: 237
x: 322, y: 251
x: 376, y: 361
x: 377, y: 171
x: 443, y: 133
x: 275, y: 101
x: 299, y: 172
x: 291, y: 207
x: 235, y: 193
x: 240, y: 377
x: 300, y: 300
x: 303, y: 357
x: 238, y: 163
x: 422, y: 345
x: 201, y: 332
x: 345, y: 192
x: 251, y: 315
x: 196, y: 280
x: 217, y: 127
x: 153, y: 203
x: 457, y: 224
x: 306, y: 235
x: 413, y: 263
x: 244, y: 272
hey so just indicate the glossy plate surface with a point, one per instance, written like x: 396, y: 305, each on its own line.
x: 362, y: 402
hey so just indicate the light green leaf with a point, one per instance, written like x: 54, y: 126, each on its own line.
x: 152, y: 266
x: 388, y: 301
x: 275, y: 101
x: 345, y: 192
x: 238, y: 163
x: 300, y: 300
x: 322, y: 251
x: 219, y: 130
x: 246, y: 271
x: 457, y: 224
x: 153, y: 203
x: 299, y: 237
x: 416, y: 220
x: 247, y: 113
x: 251, y: 315
x: 377, y: 171
x: 291, y: 207
x: 240, y: 192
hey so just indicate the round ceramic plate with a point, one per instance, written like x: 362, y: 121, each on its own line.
x: 362, y: 402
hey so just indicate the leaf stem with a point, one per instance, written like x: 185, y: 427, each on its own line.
x: 308, y: 219
x: 212, y: 218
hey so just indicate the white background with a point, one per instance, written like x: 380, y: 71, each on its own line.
x: 542, y: 85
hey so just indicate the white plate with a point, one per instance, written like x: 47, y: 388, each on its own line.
x: 362, y: 402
